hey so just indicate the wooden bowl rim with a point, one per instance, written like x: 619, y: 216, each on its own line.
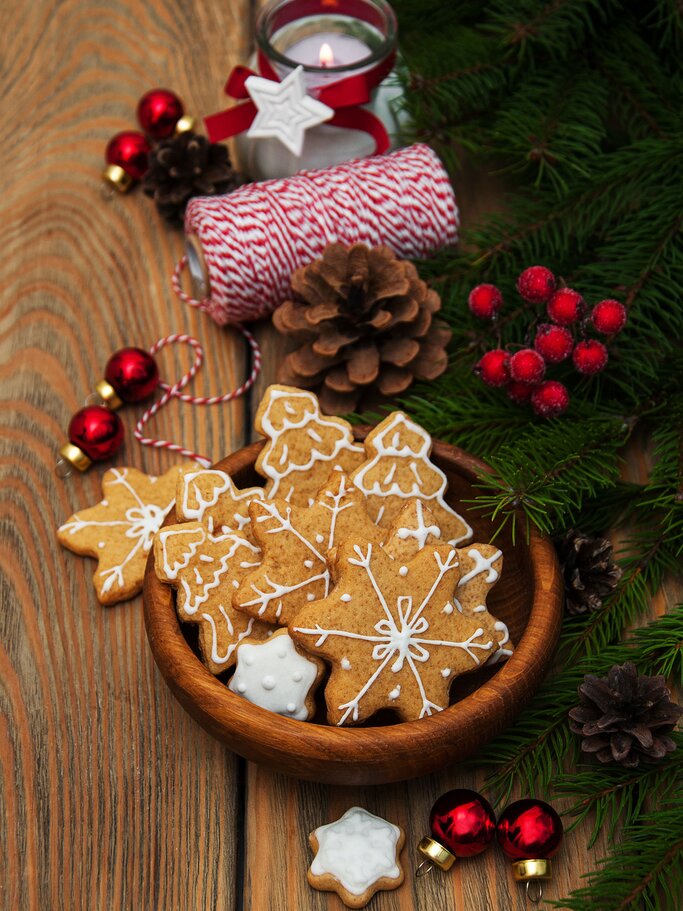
x: 516, y: 679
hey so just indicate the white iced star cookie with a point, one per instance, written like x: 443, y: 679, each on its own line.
x: 276, y: 676
x: 285, y: 110
x: 356, y: 856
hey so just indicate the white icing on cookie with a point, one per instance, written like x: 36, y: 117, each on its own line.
x: 345, y: 664
x: 345, y: 597
x: 357, y: 850
x: 503, y: 653
x: 193, y: 501
x: 275, y: 676
x: 422, y: 532
x: 481, y: 564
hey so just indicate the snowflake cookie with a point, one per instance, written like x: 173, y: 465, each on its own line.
x: 120, y: 529
x: 303, y: 446
x: 356, y: 856
x: 277, y: 676
x: 210, y: 496
x: 205, y: 569
x: 295, y: 541
x: 391, y: 634
x: 398, y: 468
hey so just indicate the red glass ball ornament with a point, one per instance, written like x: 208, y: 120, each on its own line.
x: 609, y: 317
x: 493, y: 367
x: 130, y: 151
x: 159, y: 110
x: 536, y: 284
x: 133, y: 373
x: 520, y: 392
x: 485, y: 301
x: 527, y: 366
x: 463, y: 822
x: 550, y: 399
x: 97, y: 431
x: 590, y: 357
x: 529, y: 829
x: 553, y: 343
x: 566, y: 306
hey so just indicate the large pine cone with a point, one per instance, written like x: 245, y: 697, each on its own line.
x: 589, y: 570
x: 624, y: 717
x: 184, y: 166
x: 366, y: 321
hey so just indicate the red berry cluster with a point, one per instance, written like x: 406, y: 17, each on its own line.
x: 523, y: 373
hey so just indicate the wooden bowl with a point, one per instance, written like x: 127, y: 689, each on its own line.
x: 528, y: 598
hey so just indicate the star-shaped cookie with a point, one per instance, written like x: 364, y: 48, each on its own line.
x: 120, y: 529
x: 205, y: 569
x: 294, y: 541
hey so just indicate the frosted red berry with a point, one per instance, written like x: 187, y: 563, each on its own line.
x: 536, y: 284
x: 566, y: 306
x: 553, y: 343
x: 609, y: 317
x: 485, y: 301
x: 527, y: 366
x: 520, y: 392
x: 590, y: 356
x: 550, y: 399
x: 493, y: 368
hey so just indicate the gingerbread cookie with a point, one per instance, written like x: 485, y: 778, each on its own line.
x: 295, y: 541
x: 205, y: 569
x: 277, y: 676
x: 388, y: 632
x: 303, y: 446
x: 356, y: 856
x: 120, y: 529
x: 398, y: 468
x: 208, y: 495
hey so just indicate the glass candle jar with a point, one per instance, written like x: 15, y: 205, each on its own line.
x: 331, y: 40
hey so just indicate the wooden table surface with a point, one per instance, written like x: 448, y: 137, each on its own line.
x: 112, y: 797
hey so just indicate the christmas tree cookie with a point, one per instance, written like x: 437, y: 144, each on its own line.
x: 209, y: 496
x: 398, y: 468
x: 303, y: 446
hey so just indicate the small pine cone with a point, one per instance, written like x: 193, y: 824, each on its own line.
x: 589, y: 570
x: 184, y: 166
x: 624, y: 717
x: 365, y: 321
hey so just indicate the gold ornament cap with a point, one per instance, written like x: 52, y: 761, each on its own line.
x: 117, y: 178
x: 436, y: 853
x: 526, y: 870
x: 186, y: 124
x: 75, y: 457
x: 108, y: 395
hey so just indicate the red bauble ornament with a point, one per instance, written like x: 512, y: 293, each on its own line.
x: 536, y: 284
x: 95, y: 433
x: 158, y: 113
x: 493, y: 367
x: 131, y: 375
x: 609, y: 317
x: 485, y: 301
x: 527, y: 366
x: 129, y: 151
x: 462, y: 824
x: 553, y: 343
x: 530, y: 833
x: 590, y: 357
x: 550, y: 399
x: 566, y: 306
x: 520, y: 392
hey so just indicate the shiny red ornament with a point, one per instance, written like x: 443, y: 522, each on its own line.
x: 550, y: 399
x: 129, y: 151
x: 493, y: 368
x: 609, y: 317
x: 132, y: 373
x: 96, y: 431
x: 527, y: 366
x: 529, y: 829
x: 566, y: 306
x: 159, y: 110
x: 462, y: 824
x: 536, y: 284
x: 590, y: 357
x: 485, y: 301
x: 553, y: 343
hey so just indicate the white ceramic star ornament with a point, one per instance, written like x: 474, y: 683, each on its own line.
x: 285, y: 110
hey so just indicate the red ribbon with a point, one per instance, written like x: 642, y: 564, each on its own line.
x: 345, y: 97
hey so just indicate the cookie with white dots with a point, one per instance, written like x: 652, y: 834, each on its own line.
x: 277, y: 676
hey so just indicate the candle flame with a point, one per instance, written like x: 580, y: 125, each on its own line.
x: 326, y: 55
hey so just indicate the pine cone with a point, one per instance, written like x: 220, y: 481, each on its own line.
x: 366, y: 322
x: 590, y: 573
x: 624, y: 717
x: 184, y: 166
